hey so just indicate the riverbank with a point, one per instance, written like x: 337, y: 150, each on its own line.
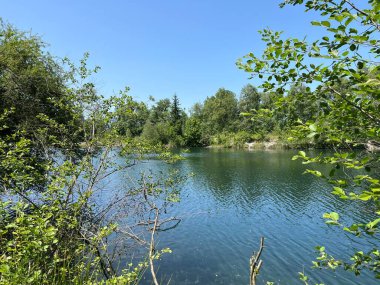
x: 371, y: 146
x: 254, y: 145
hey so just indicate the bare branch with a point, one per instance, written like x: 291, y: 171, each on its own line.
x: 255, y: 263
x: 160, y: 223
x: 152, y: 248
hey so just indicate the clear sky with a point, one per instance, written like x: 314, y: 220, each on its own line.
x: 158, y: 48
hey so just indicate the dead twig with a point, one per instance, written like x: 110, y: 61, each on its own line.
x: 255, y: 263
x: 160, y: 223
x: 152, y: 248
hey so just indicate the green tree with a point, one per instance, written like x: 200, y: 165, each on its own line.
x: 196, y: 111
x: 268, y: 115
x: 166, y: 123
x: 193, y: 132
x: 160, y: 133
x: 175, y: 113
x: 177, y: 116
x: 300, y: 104
x: 34, y: 91
x: 222, y: 111
x: 130, y: 116
x: 248, y: 102
x: 160, y: 112
x: 196, y: 132
x: 249, y: 99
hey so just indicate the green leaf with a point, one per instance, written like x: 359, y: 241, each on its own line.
x: 320, y: 248
x: 339, y: 192
x: 331, y: 222
x: 326, y: 24
x: 365, y: 196
x: 348, y: 21
x: 302, y: 153
x: 334, y: 216
x: 314, y: 172
x: 373, y: 223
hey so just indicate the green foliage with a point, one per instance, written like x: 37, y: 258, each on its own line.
x: 250, y: 99
x: 231, y: 140
x: 262, y: 114
x: 160, y: 112
x: 177, y: 117
x: 129, y: 116
x: 52, y: 231
x: 54, y: 239
x: 160, y: 133
x: 341, y: 65
x: 166, y: 124
x: 34, y: 92
x: 193, y: 132
x: 221, y: 112
x: 249, y: 102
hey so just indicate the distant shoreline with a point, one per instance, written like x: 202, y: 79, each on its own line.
x: 275, y: 145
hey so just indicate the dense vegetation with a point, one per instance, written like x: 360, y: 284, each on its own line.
x: 225, y: 120
x: 57, y: 150
x: 222, y: 119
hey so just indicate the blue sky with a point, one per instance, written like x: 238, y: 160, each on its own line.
x: 158, y: 48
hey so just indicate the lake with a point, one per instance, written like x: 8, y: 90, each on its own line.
x: 236, y: 197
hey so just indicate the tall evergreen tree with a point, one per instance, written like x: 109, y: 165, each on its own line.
x: 176, y: 116
x: 175, y: 113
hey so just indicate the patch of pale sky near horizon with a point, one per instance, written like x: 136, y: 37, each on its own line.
x: 159, y: 48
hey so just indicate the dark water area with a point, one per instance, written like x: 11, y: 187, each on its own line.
x: 236, y: 197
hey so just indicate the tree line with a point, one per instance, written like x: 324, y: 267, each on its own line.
x: 42, y: 96
x: 226, y: 119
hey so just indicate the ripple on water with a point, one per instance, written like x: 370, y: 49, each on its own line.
x: 237, y: 197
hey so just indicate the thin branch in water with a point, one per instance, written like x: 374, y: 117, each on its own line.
x: 255, y: 263
x: 152, y: 248
x: 159, y: 224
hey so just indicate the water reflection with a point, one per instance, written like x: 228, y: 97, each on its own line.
x: 246, y: 180
x: 234, y: 198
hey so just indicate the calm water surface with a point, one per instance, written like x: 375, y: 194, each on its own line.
x: 235, y: 198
